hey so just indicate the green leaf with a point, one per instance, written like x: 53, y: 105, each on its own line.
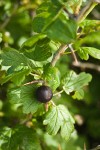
x: 58, y: 117
x: 5, y: 134
x: 31, y: 41
x: 40, y: 52
x: 25, y: 95
x: 78, y: 94
x: 19, y: 138
x: 63, y: 31
x: 46, y: 14
x: 83, y: 54
x: 55, y: 24
x: 90, y: 26
x: 94, y: 52
x: 11, y: 57
x: 52, y: 76
x: 90, y: 38
x: 17, y: 76
x: 73, y: 82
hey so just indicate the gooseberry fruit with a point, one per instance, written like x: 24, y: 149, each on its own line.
x: 44, y: 94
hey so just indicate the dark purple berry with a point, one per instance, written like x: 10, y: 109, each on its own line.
x: 44, y: 94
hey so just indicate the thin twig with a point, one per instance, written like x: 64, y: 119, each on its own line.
x: 84, y: 146
x: 86, y: 10
x: 73, y: 53
x: 58, y: 53
x: 53, y: 103
x: 35, y: 81
x: 87, y: 65
x: 33, y: 74
x: 58, y: 93
x: 59, y: 147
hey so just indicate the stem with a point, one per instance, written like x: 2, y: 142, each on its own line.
x: 46, y: 106
x: 59, y: 147
x: 35, y: 81
x: 58, y: 93
x: 86, y: 10
x: 84, y: 146
x: 73, y: 53
x: 53, y: 103
x: 87, y: 66
x: 58, y: 53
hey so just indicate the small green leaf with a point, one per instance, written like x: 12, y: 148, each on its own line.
x: 25, y: 95
x: 58, y: 117
x: 78, y: 94
x: 92, y: 38
x: 94, y: 52
x: 19, y: 138
x: 73, y: 82
x: 90, y: 26
x: 5, y: 134
x: 40, y: 52
x: 11, y: 57
x: 51, y: 76
x: 17, y: 77
x: 83, y: 54
x: 31, y: 41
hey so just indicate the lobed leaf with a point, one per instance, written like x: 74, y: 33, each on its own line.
x: 59, y: 118
x: 40, y: 52
x: 19, y: 138
x: 11, y: 57
x: 31, y: 41
x: 25, y: 95
x: 94, y: 52
x: 73, y: 82
x: 79, y: 94
x: 84, y: 52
